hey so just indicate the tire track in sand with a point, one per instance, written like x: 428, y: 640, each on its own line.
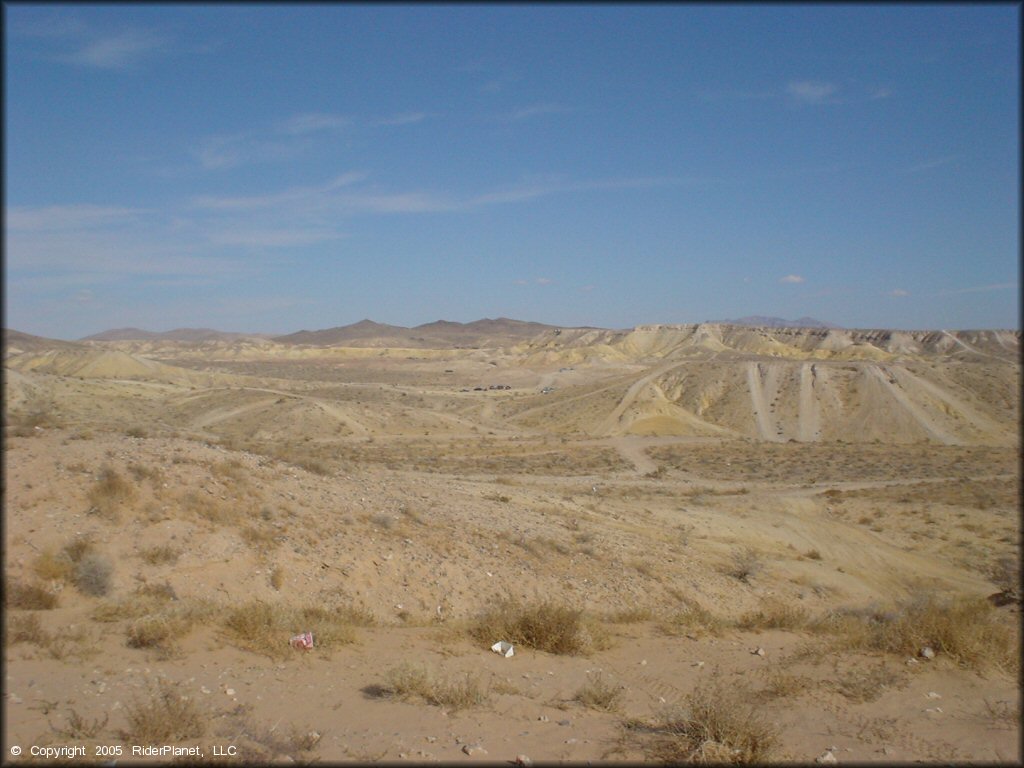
x: 758, y: 402
x: 920, y: 416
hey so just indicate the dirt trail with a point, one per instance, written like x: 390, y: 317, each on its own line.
x: 973, y: 416
x: 920, y: 416
x: 809, y: 418
x: 758, y: 402
x: 632, y: 450
x: 976, y: 351
x: 611, y: 421
x: 222, y: 414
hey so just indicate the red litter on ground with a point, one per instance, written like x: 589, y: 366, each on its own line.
x: 305, y: 640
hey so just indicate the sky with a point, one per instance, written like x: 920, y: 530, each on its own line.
x: 274, y: 168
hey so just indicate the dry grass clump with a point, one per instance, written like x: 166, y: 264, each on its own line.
x: 774, y: 615
x: 628, y: 616
x: 407, y: 681
x: 29, y: 597
x: 160, y: 554
x: 266, y: 628
x: 52, y: 566
x: 168, y: 716
x: 600, y: 694
x: 717, y: 724
x: 966, y: 629
x: 158, y: 632
x: 110, y: 492
x: 210, y: 508
x: 866, y: 685
x: 546, y: 626
x: 692, y: 619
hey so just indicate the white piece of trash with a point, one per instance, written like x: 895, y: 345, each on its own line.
x: 505, y: 649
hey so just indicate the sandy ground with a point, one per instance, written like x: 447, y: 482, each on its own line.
x: 385, y: 487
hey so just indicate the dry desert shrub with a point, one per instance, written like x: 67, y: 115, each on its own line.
x: 966, y: 629
x: 599, y: 694
x: 546, y: 626
x: 277, y: 577
x: 267, y: 743
x: 29, y: 597
x: 110, y: 492
x: 780, y: 684
x: 1005, y: 574
x: 259, y: 539
x: 167, y: 716
x: 745, y: 564
x: 407, y: 681
x: 77, y: 727
x: 23, y: 628
x: 717, y: 724
x: 229, y: 470
x: 92, y: 574
x: 266, y: 628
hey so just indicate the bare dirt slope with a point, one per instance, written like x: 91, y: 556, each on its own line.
x: 657, y: 504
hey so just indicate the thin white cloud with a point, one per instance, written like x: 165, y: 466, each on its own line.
x: 927, y: 165
x: 521, y: 282
x: 217, y: 152
x: 273, y: 238
x: 791, y: 279
x: 408, y: 118
x: 734, y: 95
x: 116, y: 51
x: 338, y: 196
x: 811, y: 91
x: 536, y: 110
x: 879, y: 92
x: 899, y: 292
x: 54, y: 218
x: 298, y: 196
x: 311, y: 122
x: 588, y: 288
x: 543, y: 281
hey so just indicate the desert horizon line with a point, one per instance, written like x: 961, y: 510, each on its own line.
x: 752, y: 321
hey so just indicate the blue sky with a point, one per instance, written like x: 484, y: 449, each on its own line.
x: 272, y: 168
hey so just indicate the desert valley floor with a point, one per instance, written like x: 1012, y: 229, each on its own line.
x: 704, y: 542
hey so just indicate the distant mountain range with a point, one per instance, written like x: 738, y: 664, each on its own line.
x: 178, y: 334
x: 367, y: 332
x: 762, y: 321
